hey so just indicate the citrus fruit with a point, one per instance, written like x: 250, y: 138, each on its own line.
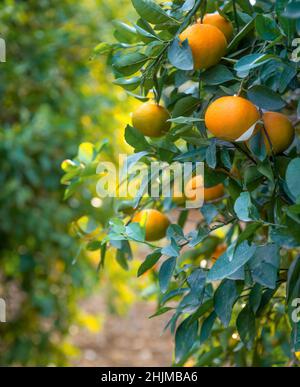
x: 207, y: 42
x: 215, y: 19
x: 220, y: 250
x: 196, y: 183
x: 155, y: 223
x: 214, y: 193
x: 151, y: 119
x: 279, y: 131
x: 229, y: 117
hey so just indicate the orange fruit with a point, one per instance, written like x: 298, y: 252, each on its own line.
x: 207, y: 42
x: 214, y: 193
x: 189, y: 193
x: 217, y: 20
x: 155, y: 223
x: 210, y: 194
x: 280, y: 132
x: 228, y: 118
x: 151, y: 119
x: 220, y: 250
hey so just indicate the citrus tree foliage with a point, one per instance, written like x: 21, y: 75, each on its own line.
x: 236, y: 309
x: 50, y: 102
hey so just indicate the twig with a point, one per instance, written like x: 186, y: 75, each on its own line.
x: 245, y: 153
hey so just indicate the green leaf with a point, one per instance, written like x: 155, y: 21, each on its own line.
x: 151, y: 11
x: 241, y: 35
x: 161, y: 311
x: 130, y: 63
x: 264, y: 265
x: 284, y: 237
x: 183, y: 217
x: 246, y: 6
x: 266, y: 27
x: 257, y: 146
x: 86, y: 152
x: 207, y: 327
x: 102, y: 256
x: 175, y: 232
x: 211, y: 154
x: 224, y: 267
x: 265, y: 169
x: 128, y: 83
x: 250, y: 62
x: 103, y: 48
x: 124, y: 33
x: 197, y: 282
x: 246, y: 326
x: 185, y: 106
x: 180, y: 55
x: 185, y: 338
x: 217, y: 75
x: 293, y: 178
x: 293, y: 282
x: 145, y: 33
x: 135, y: 232
x: 204, y: 308
x: 172, y: 250
x: 265, y: 98
x: 208, y: 357
x: 172, y: 294
x: 185, y: 120
x: 121, y: 259
x: 249, y: 232
x: 188, y: 5
x: 197, y: 236
x: 136, y: 139
x: 255, y: 297
x: 224, y: 299
x: 209, y: 211
x: 265, y: 299
x: 165, y: 273
x: 244, y: 208
x: 149, y: 262
x: 292, y: 10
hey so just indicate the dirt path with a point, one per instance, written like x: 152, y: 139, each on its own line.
x: 134, y: 340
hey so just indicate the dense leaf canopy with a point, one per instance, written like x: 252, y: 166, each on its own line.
x: 237, y: 310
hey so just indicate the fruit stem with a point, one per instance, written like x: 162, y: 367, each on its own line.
x: 242, y: 86
x: 245, y: 153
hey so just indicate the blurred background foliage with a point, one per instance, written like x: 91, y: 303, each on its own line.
x: 52, y: 98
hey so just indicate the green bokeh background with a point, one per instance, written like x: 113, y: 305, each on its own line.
x: 54, y: 95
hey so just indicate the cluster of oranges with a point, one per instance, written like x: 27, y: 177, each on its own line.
x: 229, y: 118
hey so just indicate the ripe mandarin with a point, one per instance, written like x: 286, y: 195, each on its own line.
x: 215, y: 19
x: 280, y: 132
x: 155, y: 223
x: 228, y: 118
x: 151, y: 119
x: 208, y: 44
x: 214, y: 193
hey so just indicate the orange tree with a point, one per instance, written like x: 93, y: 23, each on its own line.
x: 225, y: 91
